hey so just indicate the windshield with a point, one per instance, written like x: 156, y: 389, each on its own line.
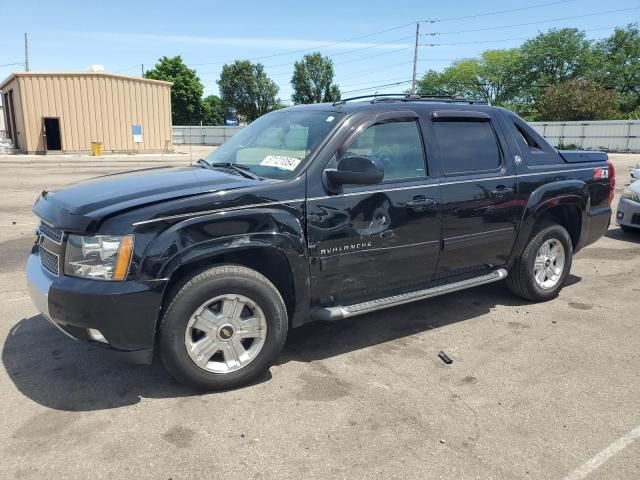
x: 277, y: 144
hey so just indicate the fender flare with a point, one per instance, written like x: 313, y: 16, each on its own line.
x: 565, y: 193
x: 199, y: 240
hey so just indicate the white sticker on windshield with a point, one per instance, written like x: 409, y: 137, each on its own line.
x: 330, y: 118
x: 280, y: 161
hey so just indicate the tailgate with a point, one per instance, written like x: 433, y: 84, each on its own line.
x: 580, y: 156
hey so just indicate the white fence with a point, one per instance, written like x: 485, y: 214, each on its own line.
x: 202, y: 135
x: 610, y: 135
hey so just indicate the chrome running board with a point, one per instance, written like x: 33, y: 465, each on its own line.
x: 341, y: 311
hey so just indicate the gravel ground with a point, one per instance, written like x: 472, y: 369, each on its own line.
x: 535, y: 390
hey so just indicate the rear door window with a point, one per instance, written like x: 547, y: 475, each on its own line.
x: 467, y: 146
x: 535, y: 149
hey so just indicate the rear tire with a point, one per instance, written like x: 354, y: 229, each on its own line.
x: 540, y: 272
x: 223, y: 329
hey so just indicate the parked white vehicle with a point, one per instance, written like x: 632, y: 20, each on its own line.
x: 628, y: 214
x: 635, y: 173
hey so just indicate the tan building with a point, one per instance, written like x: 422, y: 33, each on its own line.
x: 2, y: 129
x: 67, y: 112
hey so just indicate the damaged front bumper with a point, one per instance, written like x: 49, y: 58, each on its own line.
x: 121, y: 316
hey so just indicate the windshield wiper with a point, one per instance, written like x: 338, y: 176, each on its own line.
x: 241, y: 169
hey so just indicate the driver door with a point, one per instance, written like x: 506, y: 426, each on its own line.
x: 372, y: 241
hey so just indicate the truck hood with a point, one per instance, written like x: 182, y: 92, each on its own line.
x: 85, y: 202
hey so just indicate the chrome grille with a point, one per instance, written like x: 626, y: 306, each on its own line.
x: 51, y: 233
x: 50, y: 261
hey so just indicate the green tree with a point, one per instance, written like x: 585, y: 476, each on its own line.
x: 458, y: 79
x: 212, y: 111
x: 618, y: 65
x: 246, y: 89
x: 492, y: 77
x: 555, y: 56
x: 312, y: 80
x: 186, y: 91
x: 434, y: 83
x: 577, y: 100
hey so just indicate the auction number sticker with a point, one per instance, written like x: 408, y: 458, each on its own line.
x: 280, y: 161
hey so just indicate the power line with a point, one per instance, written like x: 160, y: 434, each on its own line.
x: 372, y: 56
x: 291, y: 65
x: 353, y: 50
x: 604, y: 12
x: 352, y: 74
x: 488, y: 41
x: 389, y: 44
x: 483, y: 84
x: 137, y: 65
x: 379, y: 32
x: 378, y: 86
x: 497, y: 12
x: 348, y: 85
x: 326, y: 45
x: 378, y: 68
x: 501, y: 39
x: 11, y: 64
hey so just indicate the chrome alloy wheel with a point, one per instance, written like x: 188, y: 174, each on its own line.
x: 225, y: 333
x: 549, y: 263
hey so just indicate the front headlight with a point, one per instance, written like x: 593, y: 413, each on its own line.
x: 103, y: 257
x: 631, y: 195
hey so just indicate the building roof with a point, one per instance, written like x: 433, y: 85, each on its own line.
x: 78, y: 74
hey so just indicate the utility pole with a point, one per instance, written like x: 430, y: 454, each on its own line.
x: 415, y: 59
x: 26, y: 52
x: 142, y: 70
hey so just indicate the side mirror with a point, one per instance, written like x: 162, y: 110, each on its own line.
x: 356, y: 171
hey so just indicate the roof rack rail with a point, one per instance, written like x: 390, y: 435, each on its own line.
x: 404, y: 97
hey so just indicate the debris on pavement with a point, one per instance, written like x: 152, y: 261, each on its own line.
x: 445, y: 358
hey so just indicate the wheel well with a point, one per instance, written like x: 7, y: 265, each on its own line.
x: 270, y: 263
x: 569, y: 216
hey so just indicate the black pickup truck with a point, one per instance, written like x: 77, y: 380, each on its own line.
x: 315, y: 212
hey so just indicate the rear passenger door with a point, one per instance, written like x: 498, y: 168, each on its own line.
x: 480, y: 208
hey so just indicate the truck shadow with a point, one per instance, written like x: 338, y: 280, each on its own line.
x: 56, y: 372
x: 616, y: 233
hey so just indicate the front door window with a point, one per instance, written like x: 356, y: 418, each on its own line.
x: 396, y: 145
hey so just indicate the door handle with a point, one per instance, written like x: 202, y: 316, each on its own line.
x: 420, y: 203
x: 501, y: 191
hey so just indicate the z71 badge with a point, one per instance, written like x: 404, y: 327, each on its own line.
x: 601, y: 173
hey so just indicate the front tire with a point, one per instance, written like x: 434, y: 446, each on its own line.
x: 223, y: 329
x: 540, y: 272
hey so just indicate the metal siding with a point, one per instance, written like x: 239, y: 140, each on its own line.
x: 205, y: 135
x: 139, y: 117
x: 67, y: 123
x: 126, y: 94
x: 92, y: 107
x: 612, y: 135
x: 17, y: 96
x: 18, y: 102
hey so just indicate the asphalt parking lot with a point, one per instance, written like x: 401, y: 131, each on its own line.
x: 541, y: 391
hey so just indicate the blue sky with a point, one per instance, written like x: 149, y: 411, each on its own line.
x: 69, y: 35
